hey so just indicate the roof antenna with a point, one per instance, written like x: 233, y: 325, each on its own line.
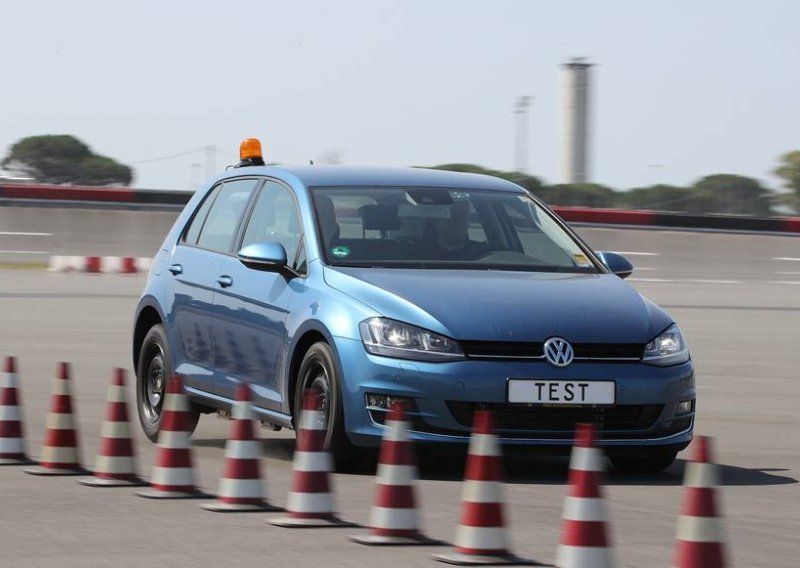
x: 311, y: 162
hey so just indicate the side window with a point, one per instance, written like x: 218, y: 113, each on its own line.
x: 274, y: 219
x: 190, y: 237
x: 219, y: 230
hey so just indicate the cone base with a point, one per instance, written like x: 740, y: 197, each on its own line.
x: 41, y: 470
x: 240, y: 508
x: 17, y: 461
x: 158, y: 494
x: 292, y: 523
x: 375, y: 540
x: 102, y: 482
x: 460, y: 559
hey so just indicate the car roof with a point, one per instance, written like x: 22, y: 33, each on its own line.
x: 327, y: 175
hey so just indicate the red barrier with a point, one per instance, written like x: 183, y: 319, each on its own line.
x: 68, y: 193
x: 792, y: 225
x: 611, y: 216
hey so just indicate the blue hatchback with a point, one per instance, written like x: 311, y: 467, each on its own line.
x: 448, y: 291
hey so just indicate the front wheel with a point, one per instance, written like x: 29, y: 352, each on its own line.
x: 655, y: 461
x: 153, y: 372
x: 318, y: 374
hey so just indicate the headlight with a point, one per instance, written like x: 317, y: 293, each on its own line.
x: 669, y: 348
x: 391, y: 338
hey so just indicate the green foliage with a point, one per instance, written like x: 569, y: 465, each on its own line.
x: 720, y: 193
x: 578, y: 194
x: 64, y: 159
x: 656, y: 197
x: 731, y: 194
x: 788, y: 170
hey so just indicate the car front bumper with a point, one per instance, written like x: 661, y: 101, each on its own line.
x: 442, y: 396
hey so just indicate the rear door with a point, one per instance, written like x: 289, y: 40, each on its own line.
x: 194, y: 268
x: 250, y: 337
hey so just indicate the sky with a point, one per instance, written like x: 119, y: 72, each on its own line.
x: 681, y: 88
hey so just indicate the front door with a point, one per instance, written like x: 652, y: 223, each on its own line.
x: 250, y: 337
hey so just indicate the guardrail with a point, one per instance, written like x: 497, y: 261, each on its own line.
x: 123, y: 197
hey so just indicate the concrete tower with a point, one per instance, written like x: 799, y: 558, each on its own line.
x: 575, y: 122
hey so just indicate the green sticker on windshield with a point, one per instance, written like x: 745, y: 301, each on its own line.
x: 340, y: 252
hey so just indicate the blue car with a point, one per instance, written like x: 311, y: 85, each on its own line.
x: 448, y: 291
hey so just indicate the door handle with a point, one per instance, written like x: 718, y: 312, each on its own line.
x: 176, y: 268
x: 225, y: 281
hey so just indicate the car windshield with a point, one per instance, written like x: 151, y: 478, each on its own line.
x: 396, y: 227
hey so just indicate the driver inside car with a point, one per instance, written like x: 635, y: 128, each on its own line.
x: 452, y: 235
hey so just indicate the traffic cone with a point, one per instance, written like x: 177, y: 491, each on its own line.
x: 12, y: 442
x: 393, y: 520
x: 241, y: 488
x: 115, y: 462
x: 310, y: 502
x: 173, y: 476
x: 699, y: 539
x: 60, y: 451
x: 584, y: 536
x: 481, y: 534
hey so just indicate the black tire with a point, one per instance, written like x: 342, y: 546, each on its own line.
x: 655, y: 461
x: 153, y: 372
x: 318, y: 373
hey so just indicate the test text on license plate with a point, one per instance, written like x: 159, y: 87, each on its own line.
x: 535, y: 391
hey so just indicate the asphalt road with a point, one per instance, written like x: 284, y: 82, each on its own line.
x: 737, y: 303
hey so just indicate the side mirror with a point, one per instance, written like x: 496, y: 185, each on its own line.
x: 616, y: 263
x: 264, y: 256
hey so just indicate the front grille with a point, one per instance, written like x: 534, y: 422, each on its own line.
x: 535, y: 350
x: 541, y: 420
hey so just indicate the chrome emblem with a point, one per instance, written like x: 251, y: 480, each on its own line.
x: 558, y: 352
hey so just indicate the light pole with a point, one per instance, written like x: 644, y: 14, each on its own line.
x: 521, y: 133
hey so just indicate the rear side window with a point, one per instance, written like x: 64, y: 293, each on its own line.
x: 199, y: 218
x: 219, y: 229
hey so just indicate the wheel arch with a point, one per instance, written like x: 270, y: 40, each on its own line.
x: 306, y: 337
x: 147, y: 317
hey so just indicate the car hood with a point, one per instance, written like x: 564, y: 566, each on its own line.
x: 506, y: 306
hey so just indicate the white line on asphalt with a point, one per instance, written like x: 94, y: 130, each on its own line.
x: 783, y: 282
x: 19, y: 234
x: 788, y: 273
x: 710, y: 281
x: 24, y: 252
x: 786, y: 258
x: 650, y: 280
x: 640, y: 268
x: 635, y: 253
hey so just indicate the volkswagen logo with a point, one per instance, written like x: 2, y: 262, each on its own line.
x: 558, y: 352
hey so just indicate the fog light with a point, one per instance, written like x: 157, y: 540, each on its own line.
x: 684, y: 407
x: 385, y: 401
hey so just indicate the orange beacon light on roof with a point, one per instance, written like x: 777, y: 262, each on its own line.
x: 250, y: 153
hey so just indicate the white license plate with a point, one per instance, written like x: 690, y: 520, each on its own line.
x: 534, y: 391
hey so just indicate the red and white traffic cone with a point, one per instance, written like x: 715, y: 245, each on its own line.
x: 584, y: 535
x: 481, y: 534
x: 310, y: 502
x: 173, y: 476
x: 699, y: 538
x: 393, y: 520
x: 115, y: 466
x: 241, y: 488
x: 12, y: 442
x: 60, y: 454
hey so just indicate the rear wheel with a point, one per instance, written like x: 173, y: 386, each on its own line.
x: 153, y: 373
x: 655, y: 461
x: 318, y: 374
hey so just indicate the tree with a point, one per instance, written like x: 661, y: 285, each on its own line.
x: 658, y: 197
x: 731, y: 194
x: 64, y: 159
x: 579, y: 194
x: 789, y: 170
